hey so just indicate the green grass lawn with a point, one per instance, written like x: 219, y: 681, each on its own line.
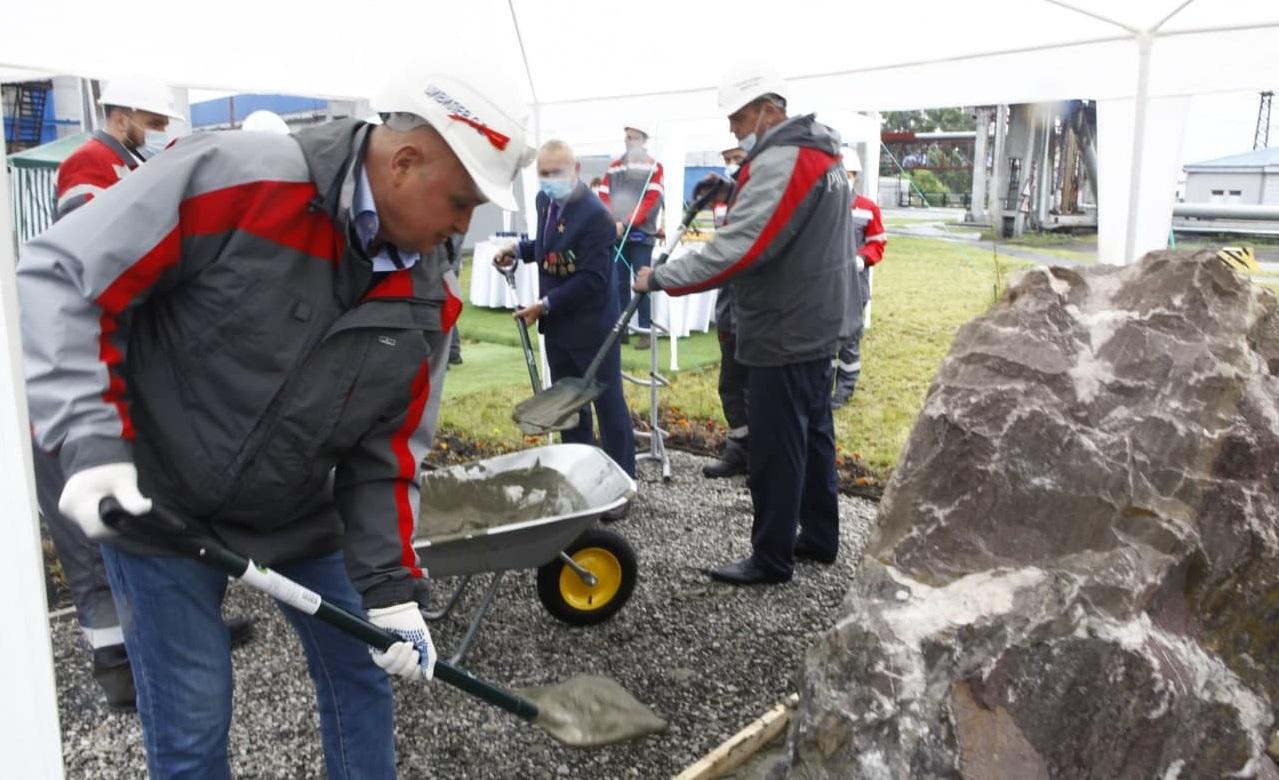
x: 924, y: 291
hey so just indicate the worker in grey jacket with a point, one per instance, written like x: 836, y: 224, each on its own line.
x: 252, y: 330
x: 784, y: 246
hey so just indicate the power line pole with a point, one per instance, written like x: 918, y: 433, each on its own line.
x: 1262, y: 137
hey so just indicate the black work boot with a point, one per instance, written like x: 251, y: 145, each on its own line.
x: 111, y: 670
x: 735, y: 460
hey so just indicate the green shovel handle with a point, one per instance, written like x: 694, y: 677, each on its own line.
x: 170, y: 530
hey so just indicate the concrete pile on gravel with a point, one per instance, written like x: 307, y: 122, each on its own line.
x: 708, y: 658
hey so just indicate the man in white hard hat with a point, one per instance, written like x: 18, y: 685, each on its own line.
x: 251, y: 330
x: 137, y: 112
x: 632, y: 189
x: 784, y: 247
x: 733, y: 376
x: 869, y: 241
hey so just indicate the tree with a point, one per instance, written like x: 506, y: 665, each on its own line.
x: 928, y: 120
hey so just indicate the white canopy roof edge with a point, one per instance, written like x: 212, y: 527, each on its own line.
x: 1140, y: 59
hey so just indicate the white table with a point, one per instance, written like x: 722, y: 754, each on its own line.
x: 488, y: 285
x: 683, y: 314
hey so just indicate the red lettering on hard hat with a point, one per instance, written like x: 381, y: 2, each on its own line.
x: 498, y: 140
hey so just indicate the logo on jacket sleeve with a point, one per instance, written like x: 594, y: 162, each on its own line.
x: 387, y: 341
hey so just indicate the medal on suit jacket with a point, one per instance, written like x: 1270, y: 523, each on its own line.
x: 560, y: 263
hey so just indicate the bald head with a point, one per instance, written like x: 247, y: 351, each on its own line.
x: 555, y: 160
x: 422, y: 191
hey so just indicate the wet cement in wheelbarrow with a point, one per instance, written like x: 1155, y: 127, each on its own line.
x: 478, y: 499
x: 590, y: 710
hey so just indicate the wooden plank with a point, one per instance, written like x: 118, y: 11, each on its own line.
x: 741, y: 746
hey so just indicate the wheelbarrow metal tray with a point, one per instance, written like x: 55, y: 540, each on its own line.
x: 530, y: 543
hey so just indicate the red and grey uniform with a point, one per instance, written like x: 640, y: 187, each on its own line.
x: 869, y: 241
x: 628, y: 182
x: 632, y: 187
x: 97, y: 164
x: 213, y: 320
x: 785, y: 250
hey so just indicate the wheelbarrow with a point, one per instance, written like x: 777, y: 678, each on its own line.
x: 585, y: 573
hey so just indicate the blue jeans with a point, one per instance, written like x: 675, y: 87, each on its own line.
x: 180, y: 652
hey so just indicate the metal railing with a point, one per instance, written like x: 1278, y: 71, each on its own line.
x: 912, y: 198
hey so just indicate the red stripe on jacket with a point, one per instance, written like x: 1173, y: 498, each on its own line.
x: 274, y: 210
x: 810, y: 166
x: 406, y: 472
x: 396, y: 284
x: 871, y: 251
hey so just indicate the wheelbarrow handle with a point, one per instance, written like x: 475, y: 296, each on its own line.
x: 171, y: 530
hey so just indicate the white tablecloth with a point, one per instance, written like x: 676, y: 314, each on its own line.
x: 686, y: 313
x: 488, y: 286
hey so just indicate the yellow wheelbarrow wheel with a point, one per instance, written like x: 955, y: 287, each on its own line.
x: 571, y: 598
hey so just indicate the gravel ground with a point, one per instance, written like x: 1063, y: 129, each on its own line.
x: 708, y: 658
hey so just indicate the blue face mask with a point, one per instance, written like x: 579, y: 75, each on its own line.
x: 156, y: 141
x: 556, y: 189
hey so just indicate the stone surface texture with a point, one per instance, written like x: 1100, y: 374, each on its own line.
x: 1075, y: 572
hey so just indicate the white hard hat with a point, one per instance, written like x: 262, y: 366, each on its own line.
x: 141, y: 94
x: 734, y: 145
x: 851, y: 161
x: 639, y: 129
x: 742, y: 86
x: 478, y: 115
x: 265, y: 122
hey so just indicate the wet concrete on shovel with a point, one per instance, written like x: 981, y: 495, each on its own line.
x: 478, y: 499
x: 589, y: 710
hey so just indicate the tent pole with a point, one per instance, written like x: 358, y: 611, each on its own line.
x: 1145, y: 40
x: 30, y: 740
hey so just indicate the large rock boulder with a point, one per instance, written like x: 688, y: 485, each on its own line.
x: 1076, y: 572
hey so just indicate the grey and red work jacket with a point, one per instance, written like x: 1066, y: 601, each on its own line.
x: 212, y: 319
x: 784, y: 247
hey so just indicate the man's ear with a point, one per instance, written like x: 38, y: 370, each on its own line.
x: 404, y: 160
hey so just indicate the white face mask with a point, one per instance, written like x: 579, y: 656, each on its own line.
x: 752, y: 137
x: 731, y: 169
x: 156, y: 141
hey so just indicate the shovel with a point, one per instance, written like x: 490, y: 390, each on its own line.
x: 552, y: 409
x: 585, y: 711
x: 534, y: 377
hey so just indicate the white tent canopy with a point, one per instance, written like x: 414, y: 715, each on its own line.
x: 587, y: 67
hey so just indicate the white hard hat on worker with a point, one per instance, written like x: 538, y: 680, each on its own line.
x: 852, y: 162
x: 265, y: 122
x: 137, y: 110
x: 754, y: 99
x: 478, y: 115
x: 140, y: 93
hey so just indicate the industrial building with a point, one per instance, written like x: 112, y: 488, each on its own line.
x: 1250, y: 179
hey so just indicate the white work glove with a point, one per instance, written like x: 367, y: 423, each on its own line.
x: 861, y: 263
x: 506, y: 255
x: 415, y: 656
x: 85, y: 490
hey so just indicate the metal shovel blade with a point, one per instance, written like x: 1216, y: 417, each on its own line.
x: 556, y: 407
x: 589, y: 711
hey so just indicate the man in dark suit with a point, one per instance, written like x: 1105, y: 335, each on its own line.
x: 574, y: 252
